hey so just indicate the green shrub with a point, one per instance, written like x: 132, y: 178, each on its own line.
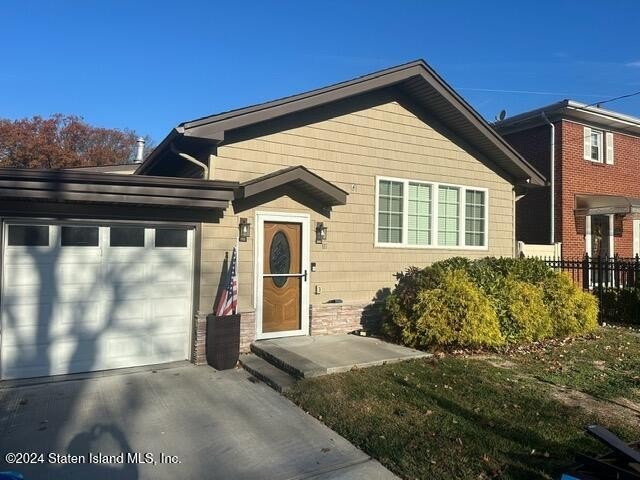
x: 491, y: 301
x: 523, y: 315
x: 621, y: 306
x: 490, y: 273
x: 456, y: 313
x: 398, y: 305
x: 572, y: 310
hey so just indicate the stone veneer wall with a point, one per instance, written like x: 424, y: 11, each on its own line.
x: 337, y: 318
x: 247, y: 335
x: 199, y: 352
x: 324, y: 319
x: 247, y: 330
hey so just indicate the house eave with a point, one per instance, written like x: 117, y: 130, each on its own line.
x: 34, y: 188
x: 415, y: 79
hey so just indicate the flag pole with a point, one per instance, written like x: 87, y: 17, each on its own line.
x: 237, y: 270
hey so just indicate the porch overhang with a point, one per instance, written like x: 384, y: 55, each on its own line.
x: 607, y: 205
x: 294, y: 181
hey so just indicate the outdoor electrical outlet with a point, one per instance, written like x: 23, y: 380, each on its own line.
x: 318, y: 289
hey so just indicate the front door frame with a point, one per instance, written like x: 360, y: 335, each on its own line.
x: 305, y: 221
x: 587, y: 237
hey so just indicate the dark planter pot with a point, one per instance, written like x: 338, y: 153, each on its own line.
x: 223, y: 341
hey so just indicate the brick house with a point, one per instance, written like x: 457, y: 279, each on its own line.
x: 596, y: 201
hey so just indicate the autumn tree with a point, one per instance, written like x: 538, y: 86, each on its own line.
x: 63, y: 141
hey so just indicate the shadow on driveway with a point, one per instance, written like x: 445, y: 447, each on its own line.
x: 184, y: 422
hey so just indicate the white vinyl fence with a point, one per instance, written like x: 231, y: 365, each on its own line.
x: 539, y: 251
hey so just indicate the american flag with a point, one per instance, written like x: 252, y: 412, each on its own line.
x: 228, y: 303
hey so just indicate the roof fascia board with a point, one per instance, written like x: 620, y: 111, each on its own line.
x: 303, y: 95
x: 215, y: 126
x: 260, y: 185
x: 211, y: 194
x: 476, y: 119
x: 106, y: 212
x: 215, y: 129
x: 97, y: 178
x: 62, y: 196
x: 434, y: 122
x: 153, y: 157
x: 569, y: 109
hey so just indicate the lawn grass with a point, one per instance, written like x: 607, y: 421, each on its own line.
x: 605, y: 364
x: 465, y: 418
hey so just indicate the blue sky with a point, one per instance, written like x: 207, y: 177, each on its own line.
x: 148, y: 65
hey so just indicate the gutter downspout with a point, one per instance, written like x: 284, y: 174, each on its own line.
x: 189, y: 158
x: 552, y: 176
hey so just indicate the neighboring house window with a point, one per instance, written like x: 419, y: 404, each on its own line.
x: 427, y: 214
x: 448, y: 216
x: 474, y: 218
x: 598, y: 146
x: 390, y: 203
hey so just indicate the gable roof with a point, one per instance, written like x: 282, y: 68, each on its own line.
x: 415, y: 81
x: 299, y: 177
x: 573, y: 110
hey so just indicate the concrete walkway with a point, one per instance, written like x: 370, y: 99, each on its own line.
x: 222, y: 425
x: 306, y: 357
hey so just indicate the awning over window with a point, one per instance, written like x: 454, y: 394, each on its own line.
x: 607, y: 205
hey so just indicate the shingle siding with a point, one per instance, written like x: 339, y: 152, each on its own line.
x: 350, y: 151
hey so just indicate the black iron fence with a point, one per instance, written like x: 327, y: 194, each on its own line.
x: 602, y: 276
x: 594, y: 272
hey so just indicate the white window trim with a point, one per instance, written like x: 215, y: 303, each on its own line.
x: 601, y: 146
x: 434, y: 216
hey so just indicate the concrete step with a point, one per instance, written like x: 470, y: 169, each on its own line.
x: 295, y: 365
x: 270, y: 374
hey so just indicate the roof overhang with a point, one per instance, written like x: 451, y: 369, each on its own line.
x: 606, y: 205
x: 571, y: 110
x: 72, y: 191
x: 416, y: 81
x: 297, y: 182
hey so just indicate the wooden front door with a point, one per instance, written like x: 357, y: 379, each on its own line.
x: 283, y: 277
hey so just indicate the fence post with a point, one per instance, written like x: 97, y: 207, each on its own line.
x: 585, y: 272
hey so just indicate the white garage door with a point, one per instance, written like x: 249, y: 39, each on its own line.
x: 77, y: 298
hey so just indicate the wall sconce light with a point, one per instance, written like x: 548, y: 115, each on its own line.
x: 244, y: 228
x: 321, y: 232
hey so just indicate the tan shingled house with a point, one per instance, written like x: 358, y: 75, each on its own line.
x: 342, y: 187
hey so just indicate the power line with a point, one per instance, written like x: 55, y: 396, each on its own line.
x: 614, y: 99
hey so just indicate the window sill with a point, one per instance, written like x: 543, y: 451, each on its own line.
x: 431, y: 247
x: 596, y: 162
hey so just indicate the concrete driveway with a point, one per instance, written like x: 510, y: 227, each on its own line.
x: 217, y: 425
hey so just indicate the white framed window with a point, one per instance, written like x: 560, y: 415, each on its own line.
x: 475, y: 217
x: 419, y: 214
x: 598, y: 146
x: 448, y: 216
x: 390, y: 211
